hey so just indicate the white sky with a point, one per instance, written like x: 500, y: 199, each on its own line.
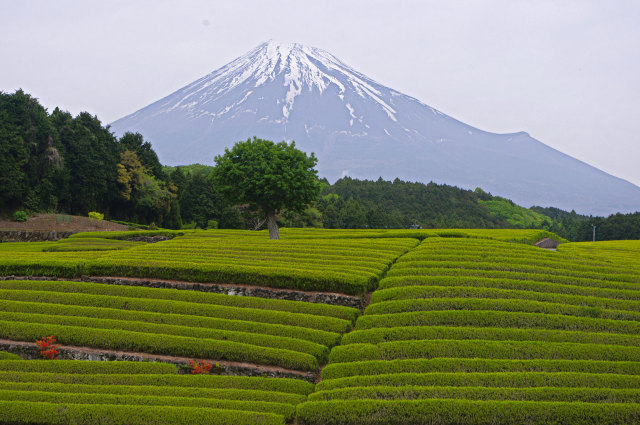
x: 567, y: 72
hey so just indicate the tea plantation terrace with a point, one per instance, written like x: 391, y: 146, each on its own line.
x: 462, y: 327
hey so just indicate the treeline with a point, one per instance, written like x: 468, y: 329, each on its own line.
x: 60, y: 163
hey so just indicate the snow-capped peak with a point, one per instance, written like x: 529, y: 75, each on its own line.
x: 297, y: 67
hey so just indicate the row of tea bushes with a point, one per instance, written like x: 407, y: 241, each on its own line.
x: 349, y: 266
x: 77, y: 392
x: 288, y: 334
x: 471, y: 331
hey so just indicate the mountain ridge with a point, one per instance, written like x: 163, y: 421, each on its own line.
x: 361, y: 128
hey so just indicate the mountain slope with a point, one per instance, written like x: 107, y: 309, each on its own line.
x: 360, y: 128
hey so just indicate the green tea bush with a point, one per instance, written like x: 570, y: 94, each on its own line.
x: 381, y: 367
x: 325, y: 338
x: 461, y: 412
x: 25, y: 412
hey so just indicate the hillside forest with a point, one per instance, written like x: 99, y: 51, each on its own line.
x: 55, y: 162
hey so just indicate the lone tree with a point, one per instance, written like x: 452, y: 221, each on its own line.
x: 267, y: 176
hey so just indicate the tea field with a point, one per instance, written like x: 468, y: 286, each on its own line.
x: 457, y: 327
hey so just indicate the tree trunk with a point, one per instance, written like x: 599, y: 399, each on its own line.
x: 274, y: 233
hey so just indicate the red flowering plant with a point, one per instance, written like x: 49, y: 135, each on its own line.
x: 48, y: 347
x: 200, y: 368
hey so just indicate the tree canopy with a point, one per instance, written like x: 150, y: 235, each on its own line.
x: 268, y: 177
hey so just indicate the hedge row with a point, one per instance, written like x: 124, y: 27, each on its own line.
x: 318, y: 309
x: 498, y: 304
x: 381, y: 367
x: 285, y: 385
x: 157, y: 390
x: 397, y: 288
x: 282, y: 277
x: 159, y: 344
x: 575, y: 269
x: 407, y: 412
x: 325, y: 338
x: 81, y: 366
x: 466, y: 258
x: 286, y: 410
x: 587, y: 395
x: 588, y: 279
x: 9, y: 356
x: 25, y: 412
x: 380, y: 335
x: 423, y: 292
x: 480, y: 379
x: 342, y: 268
x: 482, y: 349
x: 306, y: 262
x: 320, y: 352
x: 330, y: 324
x: 505, y: 319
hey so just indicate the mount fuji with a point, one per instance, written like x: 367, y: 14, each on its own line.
x: 362, y: 129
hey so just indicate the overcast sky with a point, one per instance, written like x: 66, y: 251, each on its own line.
x: 567, y: 72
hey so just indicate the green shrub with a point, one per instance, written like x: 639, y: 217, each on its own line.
x: 425, y: 292
x: 180, y: 307
x: 320, y: 352
x: 328, y: 339
x: 480, y: 379
x: 286, y: 410
x: 82, y: 366
x: 159, y: 390
x: 397, y: 288
x: 506, y: 319
x: 8, y: 356
x: 482, y: 349
x: 94, y: 215
x: 340, y: 312
x: 381, y: 335
x: 511, y: 305
x: 25, y: 412
x: 20, y: 216
x: 160, y: 344
x: 461, y: 412
x: 381, y: 367
x: 285, y: 385
x: 587, y: 395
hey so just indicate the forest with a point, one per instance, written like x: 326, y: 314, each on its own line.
x: 55, y: 162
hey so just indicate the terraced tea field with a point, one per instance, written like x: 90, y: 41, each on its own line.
x: 472, y: 331
x: 462, y: 326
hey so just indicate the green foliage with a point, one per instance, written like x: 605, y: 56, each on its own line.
x: 463, y: 365
x: 62, y: 312
x: 5, y: 356
x: 431, y: 411
x: 94, y: 215
x: 89, y: 414
x: 398, y: 204
x: 516, y: 215
x: 586, y: 395
x: 181, y: 346
x: 487, y: 379
x: 340, y: 312
x: 190, y: 382
x: 85, y: 367
x: 269, y: 177
x: 20, y: 216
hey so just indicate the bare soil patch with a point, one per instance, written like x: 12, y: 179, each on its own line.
x: 59, y: 223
